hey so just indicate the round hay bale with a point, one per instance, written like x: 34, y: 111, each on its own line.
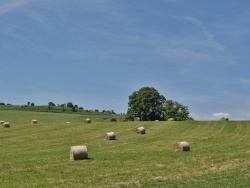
x: 140, y: 130
x: 6, y: 124
x: 110, y: 136
x: 181, y: 146
x: 87, y: 120
x: 170, y: 119
x: 34, y: 121
x: 136, y: 119
x: 1, y: 122
x: 78, y: 152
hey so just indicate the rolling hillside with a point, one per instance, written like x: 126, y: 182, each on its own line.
x: 37, y: 155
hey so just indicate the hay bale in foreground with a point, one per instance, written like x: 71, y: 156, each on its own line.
x: 6, y: 124
x: 87, y: 120
x: 34, y: 121
x: 181, y: 146
x: 1, y: 122
x: 78, y: 152
x: 110, y: 136
x: 140, y: 130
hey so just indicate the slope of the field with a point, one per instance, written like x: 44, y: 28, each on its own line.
x: 37, y: 155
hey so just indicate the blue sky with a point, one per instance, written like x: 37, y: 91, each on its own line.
x: 95, y: 53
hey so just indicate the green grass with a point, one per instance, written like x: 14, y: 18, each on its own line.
x: 38, y: 155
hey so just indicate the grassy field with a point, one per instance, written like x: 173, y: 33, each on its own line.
x: 37, y: 155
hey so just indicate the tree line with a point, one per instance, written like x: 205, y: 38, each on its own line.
x: 51, y: 106
x: 146, y: 104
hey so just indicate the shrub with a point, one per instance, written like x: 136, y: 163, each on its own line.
x: 113, y: 119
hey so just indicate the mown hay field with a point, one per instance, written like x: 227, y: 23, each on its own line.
x: 38, y: 155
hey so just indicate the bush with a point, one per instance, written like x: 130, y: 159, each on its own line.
x: 113, y: 119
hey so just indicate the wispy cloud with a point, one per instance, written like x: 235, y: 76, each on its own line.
x: 211, y: 117
x: 220, y: 114
x: 244, y: 82
x: 198, y: 45
x: 10, y: 5
x: 220, y: 50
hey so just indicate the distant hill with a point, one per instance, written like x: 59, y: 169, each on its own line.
x: 102, y: 116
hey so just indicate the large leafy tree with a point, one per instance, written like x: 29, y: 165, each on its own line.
x: 147, y: 103
x: 176, y: 111
x: 51, y: 104
x: 70, y: 104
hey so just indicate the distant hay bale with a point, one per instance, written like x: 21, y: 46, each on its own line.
x: 140, y: 130
x: 157, y: 120
x: 170, y: 119
x: 136, y: 119
x: 67, y: 122
x: 110, y: 136
x: 78, y: 152
x: 6, y: 124
x: 181, y: 146
x: 34, y: 121
x: 87, y: 120
x: 1, y: 122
